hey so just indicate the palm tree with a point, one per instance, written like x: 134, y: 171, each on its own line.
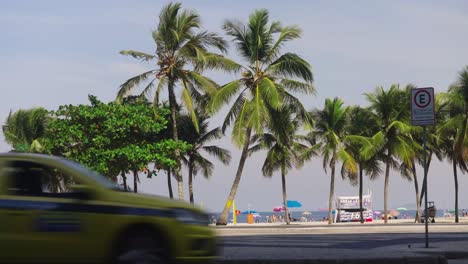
x: 330, y: 124
x: 363, y: 143
x: 266, y: 83
x: 447, y: 136
x: 24, y: 129
x: 180, y: 57
x: 452, y: 133
x: 457, y: 125
x: 283, y: 147
x: 432, y: 148
x: 392, y: 117
x: 194, y: 159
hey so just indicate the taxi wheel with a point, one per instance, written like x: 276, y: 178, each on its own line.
x: 141, y: 250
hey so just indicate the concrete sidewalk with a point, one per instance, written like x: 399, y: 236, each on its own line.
x: 344, y: 244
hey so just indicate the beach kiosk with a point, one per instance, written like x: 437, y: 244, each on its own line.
x: 347, y: 208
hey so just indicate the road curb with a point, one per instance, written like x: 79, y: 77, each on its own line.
x: 446, y: 254
x: 400, y: 260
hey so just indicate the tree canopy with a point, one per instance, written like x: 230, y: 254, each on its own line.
x: 112, y: 138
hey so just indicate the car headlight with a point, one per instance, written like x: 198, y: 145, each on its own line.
x: 190, y: 217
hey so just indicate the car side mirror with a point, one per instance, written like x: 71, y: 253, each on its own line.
x: 82, y: 192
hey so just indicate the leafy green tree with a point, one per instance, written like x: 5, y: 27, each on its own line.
x: 266, y: 82
x: 180, y: 57
x: 283, y: 146
x: 111, y: 138
x: 198, y: 139
x: 329, y: 130
x: 24, y: 129
x: 392, y: 116
x: 363, y: 143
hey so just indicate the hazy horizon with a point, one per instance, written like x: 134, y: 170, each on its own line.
x: 56, y: 52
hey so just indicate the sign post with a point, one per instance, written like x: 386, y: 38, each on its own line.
x: 423, y: 114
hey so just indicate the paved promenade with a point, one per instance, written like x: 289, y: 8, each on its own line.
x: 344, y: 243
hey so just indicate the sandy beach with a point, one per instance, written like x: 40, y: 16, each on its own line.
x: 438, y: 220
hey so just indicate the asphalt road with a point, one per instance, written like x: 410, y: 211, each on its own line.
x: 452, y: 245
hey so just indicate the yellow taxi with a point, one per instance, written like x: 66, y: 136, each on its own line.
x: 53, y: 210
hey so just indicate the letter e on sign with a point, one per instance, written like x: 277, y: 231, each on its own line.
x: 422, y: 106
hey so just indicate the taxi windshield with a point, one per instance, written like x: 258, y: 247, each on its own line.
x: 93, y: 175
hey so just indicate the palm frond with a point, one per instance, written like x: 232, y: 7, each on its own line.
x: 213, y: 61
x: 291, y: 65
x: 234, y: 111
x: 240, y: 123
x: 187, y: 99
x: 297, y: 105
x: 138, y: 55
x: 269, y: 92
x: 296, y: 86
x: 259, y: 114
x: 131, y: 83
x: 312, y: 151
x: 223, y: 96
x: 286, y: 34
x: 258, y: 36
x: 204, y: 83
x: 204, y: 165
x: 271, y: 163
x: 255, y: 148
x: 221, y: 154
x: 161, y: 83
x: 215, y: 133
x: 349, y: 163
x: 237, y: 31
x: 149, y: 87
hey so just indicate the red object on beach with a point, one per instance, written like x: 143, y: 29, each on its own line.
x: 278, y: 209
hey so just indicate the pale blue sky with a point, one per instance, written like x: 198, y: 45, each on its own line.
x: 58, y: 52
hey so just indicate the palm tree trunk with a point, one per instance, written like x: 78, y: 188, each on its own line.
x: 285, y: 200
x: 190, y: 167
x: 416, y: 189
x: 135, y: 181
x: 224, y: 215
x: 387, y: 176
x: 455, y: 177
x: 175, y: 137
x: 423, y: 191
x: 124, y: 180
x: 332, y: 191
x: 169, y: 183
x: 360, y: 194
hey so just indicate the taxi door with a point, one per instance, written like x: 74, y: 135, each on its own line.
x: 39, y: 226
x: 14, y: 223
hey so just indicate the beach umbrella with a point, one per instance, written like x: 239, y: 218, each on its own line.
x: 377, y: 212
x: 293, y: 204
x: 306, y: 213
x: 250, y: 212
x: 394, y: 213
x: 402, y: 209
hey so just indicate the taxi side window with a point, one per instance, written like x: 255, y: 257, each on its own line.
x: 31, y: 179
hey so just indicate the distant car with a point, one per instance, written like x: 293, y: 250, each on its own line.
x: 53, y: 210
